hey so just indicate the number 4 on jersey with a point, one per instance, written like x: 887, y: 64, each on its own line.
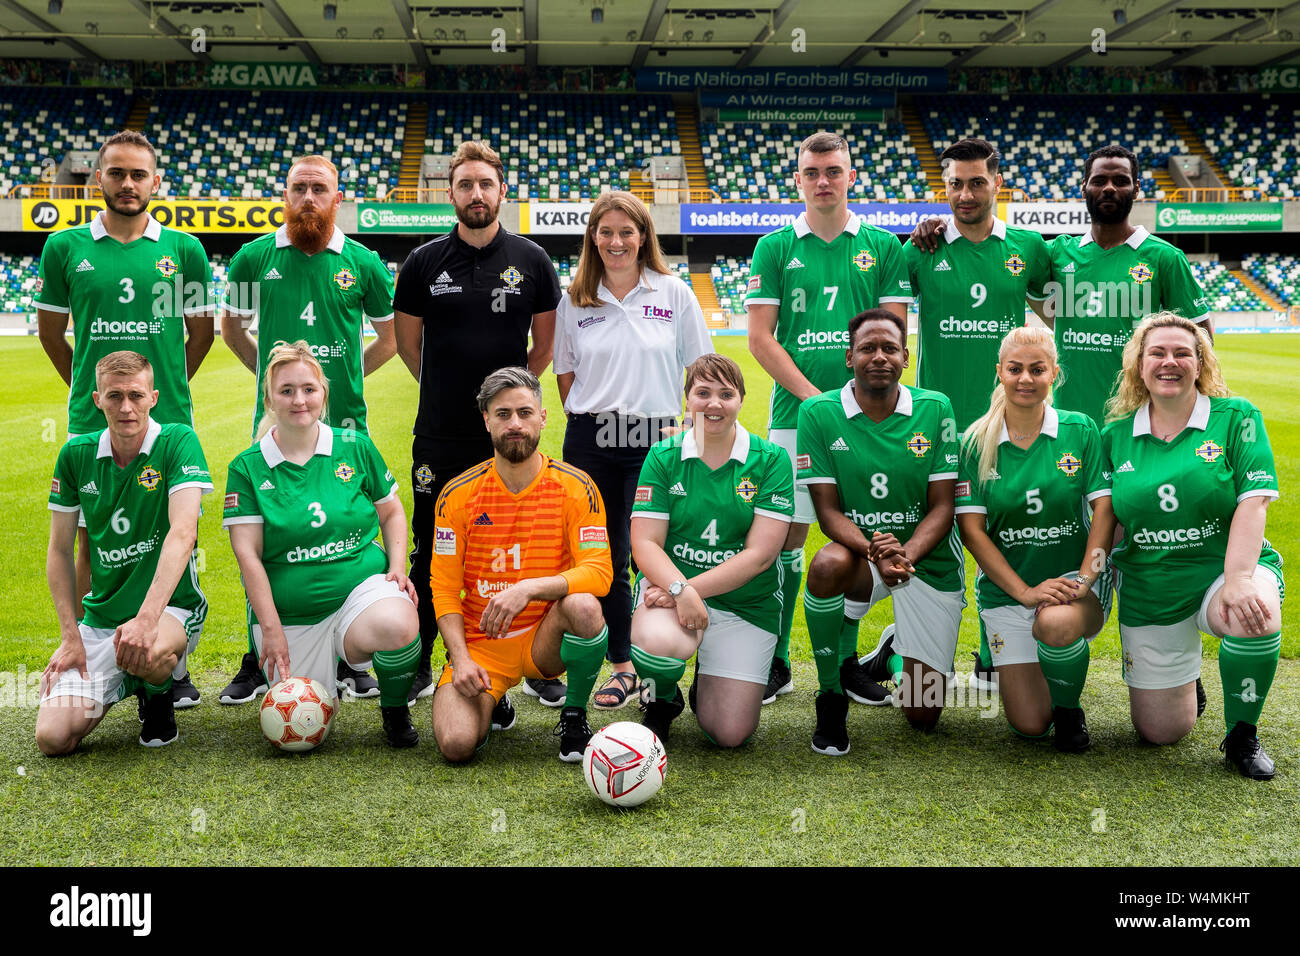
x: 309, y: 314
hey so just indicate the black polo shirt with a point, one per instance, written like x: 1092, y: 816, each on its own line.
x: 477, y: 306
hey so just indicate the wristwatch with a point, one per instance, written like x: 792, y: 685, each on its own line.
x: 676, y: 588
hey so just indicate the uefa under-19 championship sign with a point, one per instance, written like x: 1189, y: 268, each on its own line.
x: 1219, y: 217
x: 405, y: 217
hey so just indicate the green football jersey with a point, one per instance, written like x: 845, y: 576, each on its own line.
x: 126, y: 296
x: 818, y: 287
x: 1036, y: 503
x: 1176, y: 499
x: 709, y: 512
x: 126, y: 515
x: 883, y: 470
x: 1099, y: 296
x: 318, y: 520
x: 323, y: 299
x: 969, y: 295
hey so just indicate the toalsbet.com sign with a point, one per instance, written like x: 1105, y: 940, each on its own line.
x: 758, y: 218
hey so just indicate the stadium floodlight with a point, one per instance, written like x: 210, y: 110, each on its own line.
x: 378, y: 34
x: 597, y: 15
x: 945, y: 37
x: 331, y: 11
x: 688, y: 36
x: 1121, y: 17
x: 92, y: 28
x: 341, y: 33
x: 708, y: 36
x: 54, y: 8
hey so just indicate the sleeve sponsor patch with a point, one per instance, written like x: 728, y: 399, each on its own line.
x: 593, y: 536
x: 755, y: 283
x: 644, y: 493
x: 444, y: 541
x: 54, y: 486
x: 963, y: 489
x: 802, y: 461
x: 40, y: 284
x: 232, y: 500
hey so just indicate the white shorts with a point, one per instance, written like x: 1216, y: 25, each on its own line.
x: 1158, y: 656
x: 732, y: 647
x: 314, y: 649
x: 108, y: 683
x: 1010, y: 629
x: 926, y: 620
x: 788, y: 438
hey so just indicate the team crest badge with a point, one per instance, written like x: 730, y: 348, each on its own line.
x: 1209, y: 451
x: 345, y: 279
x: 1015, y: 265
x: 344, y: 471
x: 512, y: 277
x: 424, y: 476
x: 166, y: 267
x: 1069, y: 464
x: 997, y: 643
x: 746, y: 490
x: 149, y: 477
x: 1140, y: 273
x: 919, y: 445
x: 864, y: 260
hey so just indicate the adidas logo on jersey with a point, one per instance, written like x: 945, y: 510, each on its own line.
x: 794, y: 263
x: 1127, y: 466
x: 85, y: 266
x: 943, y: 266
x: 266, y: 486
x: 677, y: 489
x: 443, y: 278
x: 483, y: 519
x: 1068, y: 267
x: 90, y: 489
x: 273, y: 274
x: 839, y: 444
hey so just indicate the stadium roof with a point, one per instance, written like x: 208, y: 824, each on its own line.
x: 676, y: 33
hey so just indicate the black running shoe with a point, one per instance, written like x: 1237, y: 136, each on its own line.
x: 858, y: 686
x: 354, y: 682
x: 184, y: 693
x: 574, y: 733
x: 1200, y: 698
x: 779, y: 681
x: 503, y: 714
x: 876, y: 664
x: 660, y: 714
x: 247, y: 684
x: 159, y: 727
x: 831, y: 737
x: 1242, y: 748
x: 550, y: 692
x: 985, y: 678
x: 1071, y: 733
x: 398, y: 727
x: 422, y: 686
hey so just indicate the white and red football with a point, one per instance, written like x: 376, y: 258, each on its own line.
x: 624, y: 764
x: 297, y: 713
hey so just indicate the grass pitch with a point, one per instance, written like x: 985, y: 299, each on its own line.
x: 970, y: 794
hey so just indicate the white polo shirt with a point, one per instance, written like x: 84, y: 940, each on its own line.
x: 629, y: 357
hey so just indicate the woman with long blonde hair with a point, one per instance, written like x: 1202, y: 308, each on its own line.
x: 1028, y: 474
x: 1193, y: 476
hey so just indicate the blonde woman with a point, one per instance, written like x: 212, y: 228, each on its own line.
x: 1028, y: 475
x: 1193, y: 476
x: 303, y: 506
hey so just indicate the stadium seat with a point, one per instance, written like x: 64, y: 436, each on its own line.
x: 1225, y: 292
x: 1279, y: 273
x: 65, y: 119
x: 1254, y: 138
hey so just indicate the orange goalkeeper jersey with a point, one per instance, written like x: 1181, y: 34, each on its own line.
x: 486, y: 539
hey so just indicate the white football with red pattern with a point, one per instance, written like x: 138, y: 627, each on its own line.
x: 297, y: 713
x: 624, y: 764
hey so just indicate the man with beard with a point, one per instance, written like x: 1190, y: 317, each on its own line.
x: 523, y: 538
x: 464, y: 306
x: 308, y: 281
x: 126, y: 282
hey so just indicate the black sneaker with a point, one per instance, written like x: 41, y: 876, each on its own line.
x: 159, y: 727
x: 858, y: 686
x: 247, y: 684
x: 876, y: 664
x: 779, y: 681
x: 1200, y: 698
x: 694, y: 691
x: 550, y: 692
x: 660, y: 714
x: 184, y: 693
x: 503, y: 714
x: 1242, y: 748
x: 398, y: 727
x: 1071, y: 733
x: 984, y: 678
x: 354, y: 682
x: 831, y: 737
x: 574, y: 733
x: 422, y: 686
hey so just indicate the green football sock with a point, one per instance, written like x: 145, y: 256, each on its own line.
x: 395, y: 673
x: 582, y: 658
x: 849, y: 638
x: 662, y: 673
x: 1246, y: 667
x: 153, y: 690
x: 1043, y: 736
x: 895, y: 664
x: 825, y: 617
x: 1065, y: 668
x: 791, y: 581
x: 986, y: 656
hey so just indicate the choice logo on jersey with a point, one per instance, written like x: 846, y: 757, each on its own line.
x: 149, y: 478
x: 345, y: 279
x: 1140, y: 273
x: 512, y: 276
x: 1015, y: 265
x: 746, y: 490
x: 864, y: 260
x: 166, y: 267
x: 344, y: 472
x: 1069, y: 464
x: 919, y: 445
x: 1209, y: 451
